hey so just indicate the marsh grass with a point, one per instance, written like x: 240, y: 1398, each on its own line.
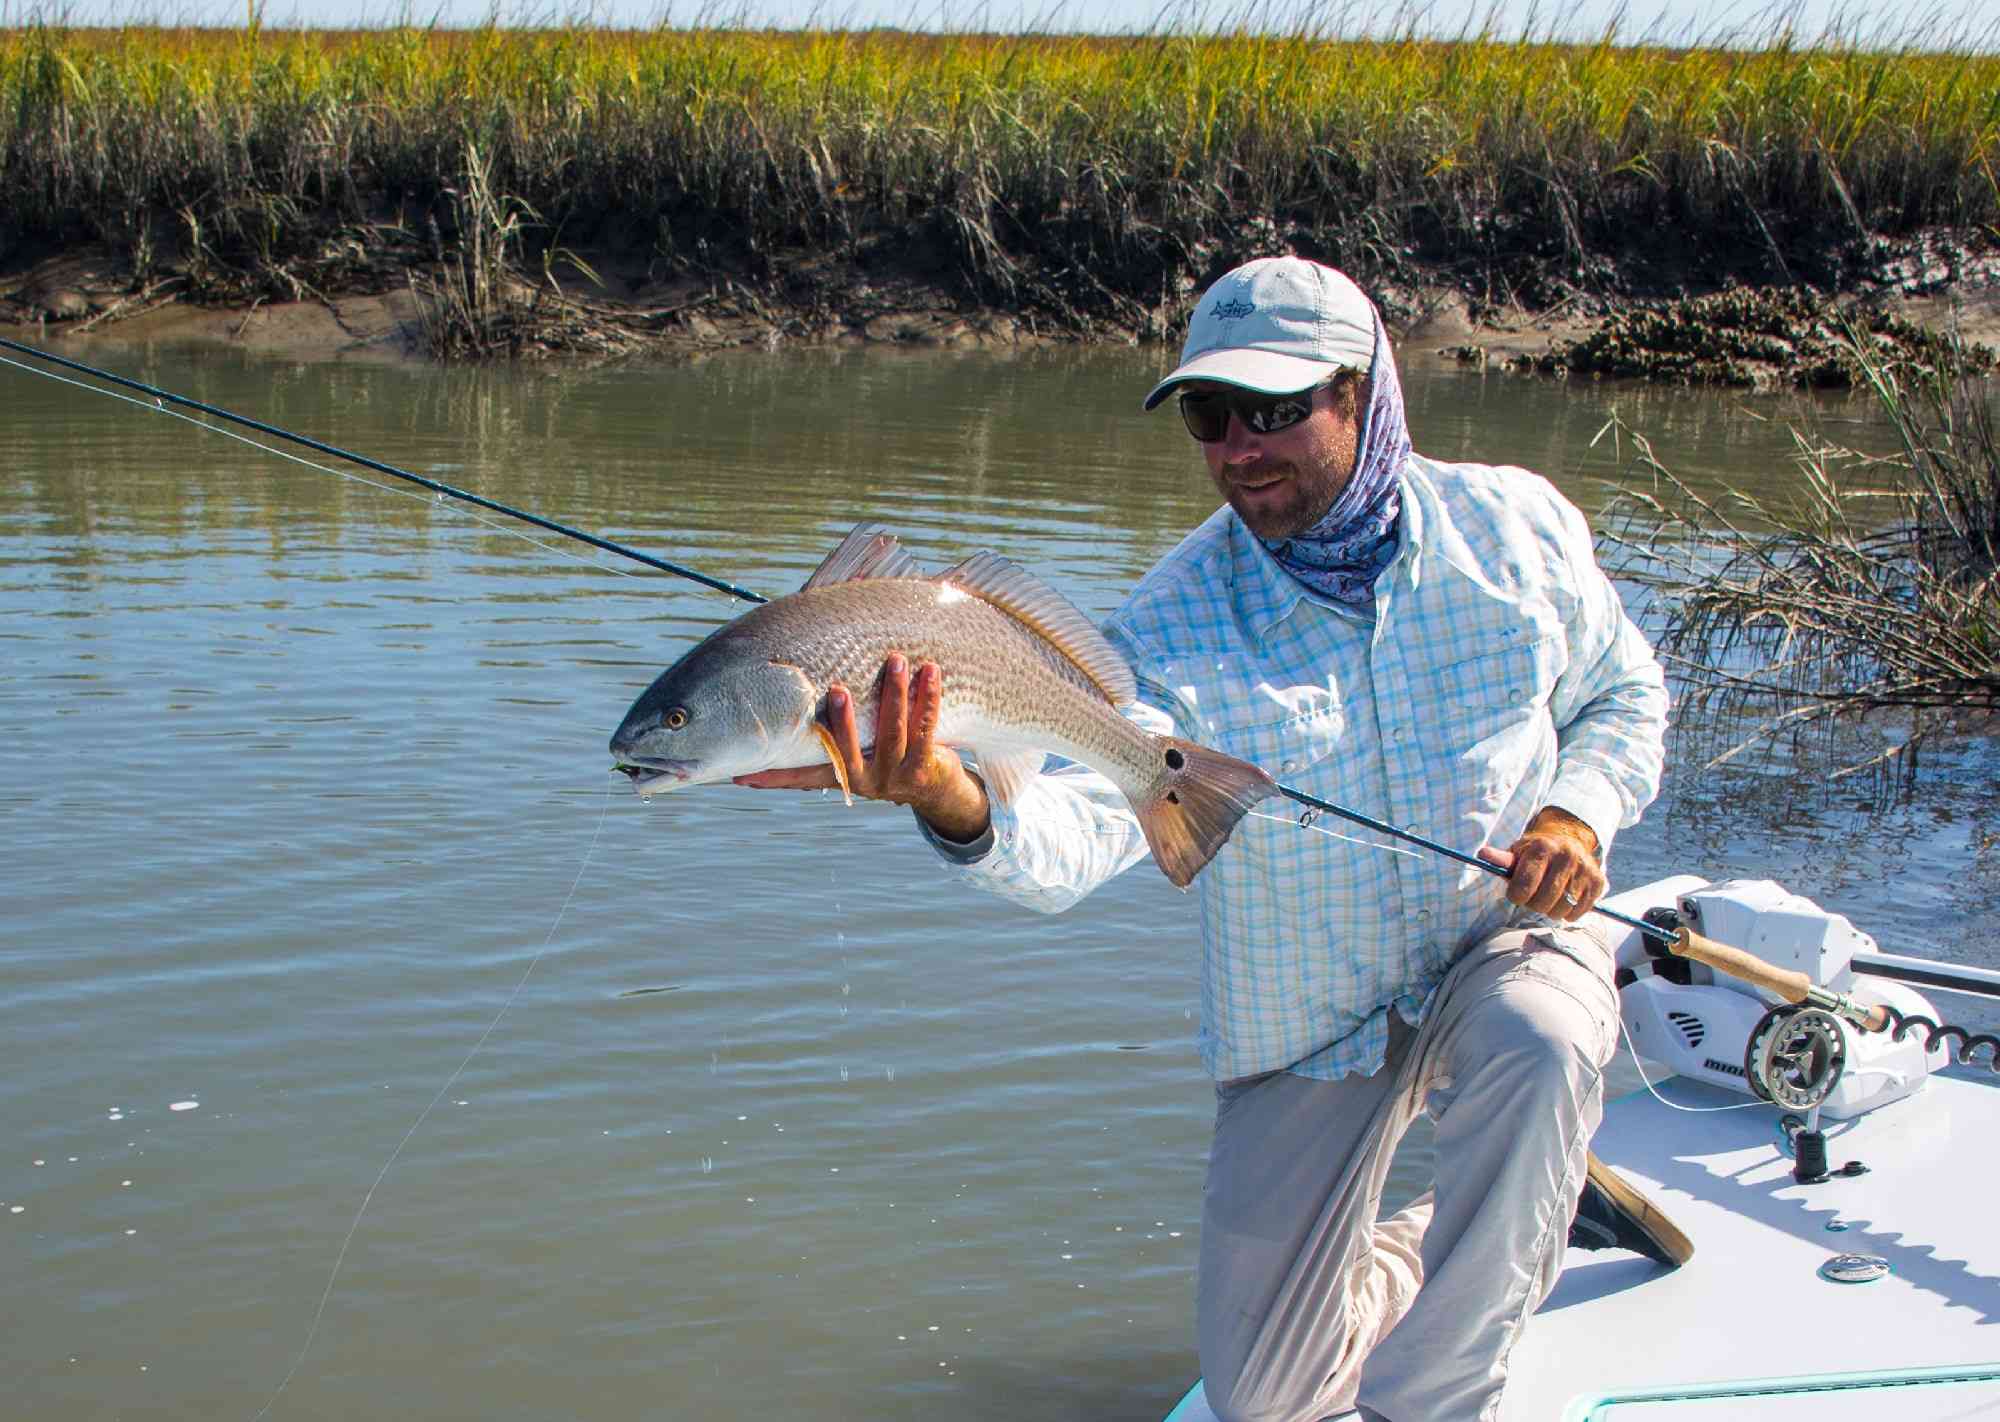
x: 1092, y: 179
x: 1875, y: 587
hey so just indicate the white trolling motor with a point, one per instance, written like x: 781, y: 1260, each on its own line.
x: 1752, y: 1035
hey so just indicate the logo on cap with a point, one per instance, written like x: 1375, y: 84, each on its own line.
x: 1230, y: 310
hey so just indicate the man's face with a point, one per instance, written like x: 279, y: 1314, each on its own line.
x: 1282, y: 483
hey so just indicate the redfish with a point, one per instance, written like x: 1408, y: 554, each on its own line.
x: 1025, y: 675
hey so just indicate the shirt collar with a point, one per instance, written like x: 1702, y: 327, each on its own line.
x: 1410, y: 554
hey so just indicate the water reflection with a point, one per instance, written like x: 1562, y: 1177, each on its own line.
x: 1046, y: 447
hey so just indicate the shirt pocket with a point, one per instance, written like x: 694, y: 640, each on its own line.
x: 1289, y: 746
x: 1493, y: 694
x: 1488, y: 729
x: 1265, y: 846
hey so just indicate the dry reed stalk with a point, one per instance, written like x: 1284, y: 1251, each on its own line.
x: 1779, y: 618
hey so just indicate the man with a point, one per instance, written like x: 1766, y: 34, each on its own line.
x: 1434, y: 644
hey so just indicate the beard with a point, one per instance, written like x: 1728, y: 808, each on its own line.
x: 1276, y: 501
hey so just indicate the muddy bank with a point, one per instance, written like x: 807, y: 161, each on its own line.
x: 1752, y: 338
x: 387, y: 301
x: 398, y: 306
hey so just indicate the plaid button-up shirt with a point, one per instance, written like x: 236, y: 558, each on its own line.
x: 1496, y: 673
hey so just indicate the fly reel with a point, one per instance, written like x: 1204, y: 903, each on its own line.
x: 1795, y: 1056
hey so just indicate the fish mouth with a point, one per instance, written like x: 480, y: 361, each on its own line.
x: 652, y: 774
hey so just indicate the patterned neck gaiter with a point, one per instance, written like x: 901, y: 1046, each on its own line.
x: 1341, y: 556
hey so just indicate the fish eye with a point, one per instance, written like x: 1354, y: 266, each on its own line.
x: 675, y: 719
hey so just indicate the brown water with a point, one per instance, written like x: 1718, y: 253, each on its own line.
x: 303, y: 782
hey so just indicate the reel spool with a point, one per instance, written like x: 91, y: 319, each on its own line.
x: 1795, y: 1056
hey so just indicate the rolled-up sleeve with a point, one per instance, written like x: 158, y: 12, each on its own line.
x: 1610, y: 704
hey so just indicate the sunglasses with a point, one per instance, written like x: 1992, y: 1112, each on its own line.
x: 1206, y: 413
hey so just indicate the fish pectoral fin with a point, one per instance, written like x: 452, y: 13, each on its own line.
x: 1007, y: 773
x: 827, y: 744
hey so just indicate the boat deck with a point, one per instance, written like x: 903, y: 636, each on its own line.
x: 1751, y: 1303
x: 1749, y: 1328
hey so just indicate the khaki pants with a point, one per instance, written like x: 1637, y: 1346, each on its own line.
x: 1307, y: 1304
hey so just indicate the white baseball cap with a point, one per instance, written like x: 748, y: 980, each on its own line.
x: 1275, y: 325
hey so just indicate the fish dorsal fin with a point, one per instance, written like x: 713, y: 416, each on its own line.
x: 1058, y: 621
x: 870, y: 551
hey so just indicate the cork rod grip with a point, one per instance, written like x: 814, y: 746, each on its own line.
x: 1787, y: 983
x: 1791, y: 985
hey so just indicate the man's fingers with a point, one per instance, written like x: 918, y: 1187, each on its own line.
x: 1535, y: 878
x: 1553, y: 873
x: 1580, y: 895
x: 1532, y: 887
x: 1548, y: 896
x: 892, y: 712
x: 893, y: 768
x: 1575, y: 897
x: 1573, y: 905
x: 926, y: 702
x: 1547, y: 878
x: 1564, y: 884
x: 1524, y: 872
x: 1519, y: 885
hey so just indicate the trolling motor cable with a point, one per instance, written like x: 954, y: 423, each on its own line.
x: 1680, y: 940
x: 1903, y: 1024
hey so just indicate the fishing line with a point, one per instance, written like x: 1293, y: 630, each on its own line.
x: 340, y: 1256
x: 1640, y: 1067
x: 1306, y: 822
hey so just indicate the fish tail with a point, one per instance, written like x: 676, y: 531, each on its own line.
x: 1195, y: 805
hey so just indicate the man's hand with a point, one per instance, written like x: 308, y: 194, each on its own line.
x: 1552, y: 868
x: 907, y: 766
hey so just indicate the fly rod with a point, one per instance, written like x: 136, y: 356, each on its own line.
x: 462, y: 495
x: 1795, y: 987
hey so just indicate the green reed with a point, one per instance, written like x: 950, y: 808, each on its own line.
x: 1090, y: 175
